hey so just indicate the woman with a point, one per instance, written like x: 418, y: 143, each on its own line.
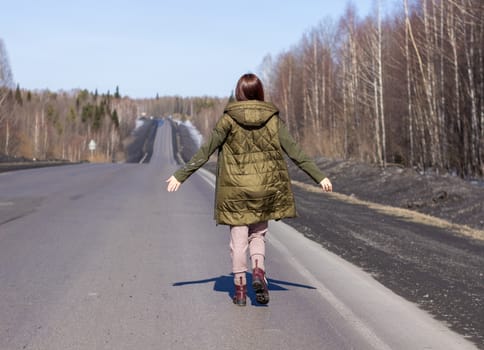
x: 253, y: 184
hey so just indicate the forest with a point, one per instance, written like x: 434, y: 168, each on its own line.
x: 406, y: 88
x: 403, y: 85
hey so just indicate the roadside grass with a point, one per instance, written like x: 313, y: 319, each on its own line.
x: 406, y: 214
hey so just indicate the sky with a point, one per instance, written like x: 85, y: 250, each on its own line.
x: 150, y: 47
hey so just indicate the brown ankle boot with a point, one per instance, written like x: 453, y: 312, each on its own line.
x: 259, y: 284
x: 240, y: 297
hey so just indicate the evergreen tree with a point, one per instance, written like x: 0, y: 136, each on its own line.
x: 115, y: 118
x: 18, y: 96
x: 232, y: 97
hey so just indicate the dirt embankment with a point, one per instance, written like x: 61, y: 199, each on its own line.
x: 443, y: 196
x: 13, y: 163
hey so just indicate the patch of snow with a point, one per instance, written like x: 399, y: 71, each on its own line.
x: 194, y: 133
x: 139, y: 123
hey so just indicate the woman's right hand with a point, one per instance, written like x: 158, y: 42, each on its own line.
x: 326, y: 185
x: 173, y: 184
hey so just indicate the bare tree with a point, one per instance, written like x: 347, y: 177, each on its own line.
x: 6, y: 97
x: 265, y: 73
x: 409, y: 83
x: 6, y: 76
x: 349, y: 75
x: 286, y: 74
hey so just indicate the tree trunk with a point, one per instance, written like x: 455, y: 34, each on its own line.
x: 380, y: 90
x: 474, y: 131
x: 7, y: 136
x: 409, y: 86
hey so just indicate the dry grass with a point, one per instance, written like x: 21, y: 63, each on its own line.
x: 409, y: 215
x: 97, y: 157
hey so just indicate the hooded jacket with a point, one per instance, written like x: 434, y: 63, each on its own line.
x: 253, y: 183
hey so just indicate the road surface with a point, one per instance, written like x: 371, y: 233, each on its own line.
x: 100, y: 256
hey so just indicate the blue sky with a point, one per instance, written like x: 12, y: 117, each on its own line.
x: 149, y: 47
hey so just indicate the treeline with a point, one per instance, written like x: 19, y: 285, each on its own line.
x: 60, y: 125
x: 48, y: 125
x: 406, y: 87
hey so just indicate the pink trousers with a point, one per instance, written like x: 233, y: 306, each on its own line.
x: 243, y: 238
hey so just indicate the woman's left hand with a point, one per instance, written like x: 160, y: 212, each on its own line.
x: 326, y: 185
x: 173, y: 184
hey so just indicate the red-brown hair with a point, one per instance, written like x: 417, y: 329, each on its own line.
x: 249, y: 87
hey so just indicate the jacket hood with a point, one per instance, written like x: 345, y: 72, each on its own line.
x: 251, y: 113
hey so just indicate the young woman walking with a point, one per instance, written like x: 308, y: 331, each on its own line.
x: 253, y: 184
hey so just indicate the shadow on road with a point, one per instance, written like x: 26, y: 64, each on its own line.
x: 225, y: 284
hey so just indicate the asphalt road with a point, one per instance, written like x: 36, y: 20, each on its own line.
x: 100, y: 256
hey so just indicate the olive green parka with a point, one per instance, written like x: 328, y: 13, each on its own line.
x: 253, y: 183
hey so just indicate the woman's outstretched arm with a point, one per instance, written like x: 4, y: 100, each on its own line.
x: 302, y: 160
